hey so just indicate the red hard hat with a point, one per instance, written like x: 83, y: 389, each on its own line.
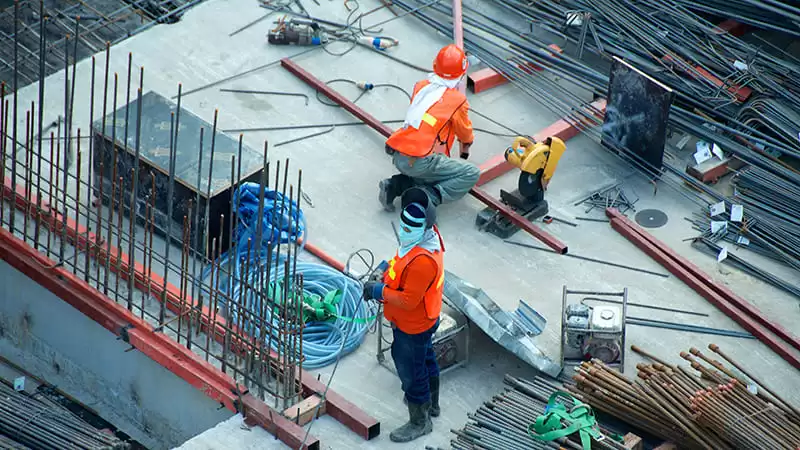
x: 450, y: 63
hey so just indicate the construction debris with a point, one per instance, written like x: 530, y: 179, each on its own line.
x: 714, y: 408
x: 613, y: 197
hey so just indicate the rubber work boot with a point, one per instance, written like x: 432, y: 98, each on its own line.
x: 391, y: 188
x: 419, y: 423
x: 434, y: 384
x: 386, y: 194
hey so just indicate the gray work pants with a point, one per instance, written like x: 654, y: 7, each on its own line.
x: 451, y: 177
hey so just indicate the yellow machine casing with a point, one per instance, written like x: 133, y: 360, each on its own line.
x: 531, y: 156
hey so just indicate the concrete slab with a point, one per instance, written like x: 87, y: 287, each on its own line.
x: 341, y: 172
x: 231, y: 433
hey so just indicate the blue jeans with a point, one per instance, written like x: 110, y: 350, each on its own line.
x: 415, y: 362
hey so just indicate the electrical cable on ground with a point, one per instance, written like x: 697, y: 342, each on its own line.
x: 340, y: 352
x: 336, y: 319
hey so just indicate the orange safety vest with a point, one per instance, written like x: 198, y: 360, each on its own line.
x: 424, y: 316
x: 435, y: 132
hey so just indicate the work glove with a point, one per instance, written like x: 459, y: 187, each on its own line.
x: 373, y: 290
x: 465, y: 150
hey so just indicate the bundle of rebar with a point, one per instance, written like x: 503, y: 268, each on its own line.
x: 708, y: 68
x: 774, y: 15
x: 712, y: 248
x: 714, y: 407
x: 775, y: 199
x: 38, y: 425
x: 503, y: 422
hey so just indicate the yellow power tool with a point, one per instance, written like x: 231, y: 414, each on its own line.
x: 537, y: 162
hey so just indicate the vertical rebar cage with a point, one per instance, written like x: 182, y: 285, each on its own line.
x: 138, y: 223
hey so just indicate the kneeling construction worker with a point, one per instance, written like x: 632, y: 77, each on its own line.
x: 420, y: 150
x: 411, y: 292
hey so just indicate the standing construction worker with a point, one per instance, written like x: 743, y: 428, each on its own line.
x: 420, y: 150
x: 411, y: 292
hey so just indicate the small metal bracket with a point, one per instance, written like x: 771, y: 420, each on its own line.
x: 123, y: 333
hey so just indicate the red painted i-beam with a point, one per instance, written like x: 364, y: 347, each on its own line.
x: 485, y: 79
x: 385, y: 131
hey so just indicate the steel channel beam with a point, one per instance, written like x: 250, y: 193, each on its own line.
x: 385, y: 131
x: 703, y: 285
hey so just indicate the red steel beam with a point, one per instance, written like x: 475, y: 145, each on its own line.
x: 347, y: 413
x: 736, y: 300
x: 519, y: 220
x: 115, y: 318
x: 349, y: 106
x: 742, y: 93
x: 385, y: 131
x: 485, y: 79
x: 324, y: 257
x: 564, y: 129
x: 700, y: 284
x: 291, y: 434
x: 176, y: 358
x: 342, y: 410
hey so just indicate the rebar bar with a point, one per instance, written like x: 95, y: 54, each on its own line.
x: 505, y: 421
x: 712, y: 410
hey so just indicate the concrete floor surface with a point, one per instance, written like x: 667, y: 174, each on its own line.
x: 340, y: 174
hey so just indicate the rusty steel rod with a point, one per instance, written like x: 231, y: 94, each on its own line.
x: 708, y: 409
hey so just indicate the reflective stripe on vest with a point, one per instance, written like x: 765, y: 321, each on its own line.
x: 433, y: 296
x: 419, y: 143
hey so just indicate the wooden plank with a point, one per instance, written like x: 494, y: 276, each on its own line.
x: 632, y: 442
x: 306, y: 410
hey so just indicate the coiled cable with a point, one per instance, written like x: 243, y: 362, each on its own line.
x: 323, y: 341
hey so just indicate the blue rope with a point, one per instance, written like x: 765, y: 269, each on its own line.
x: 322, y: 341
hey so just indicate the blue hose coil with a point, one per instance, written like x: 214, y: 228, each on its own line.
x: 322, y: 341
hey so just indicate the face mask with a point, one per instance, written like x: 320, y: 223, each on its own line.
x: 409, y: 237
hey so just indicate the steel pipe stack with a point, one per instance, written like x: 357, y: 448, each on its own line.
x: 775, y: 199
x: 502, y: 423
x: 712, y: 408
x: 46, y: 427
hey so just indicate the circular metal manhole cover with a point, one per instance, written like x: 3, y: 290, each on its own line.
x: 651, y: 218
